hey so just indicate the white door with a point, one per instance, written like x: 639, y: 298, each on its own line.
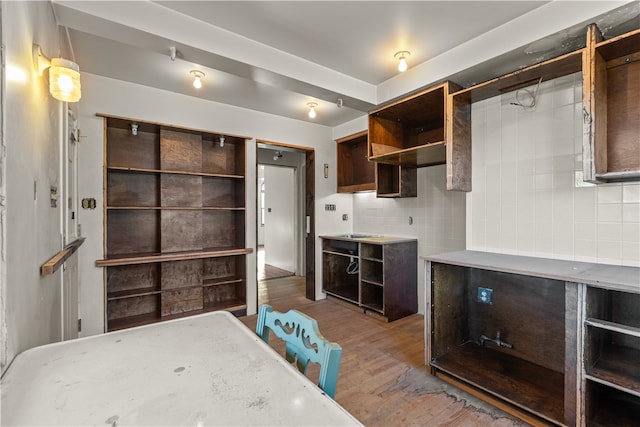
x: 279, y: 224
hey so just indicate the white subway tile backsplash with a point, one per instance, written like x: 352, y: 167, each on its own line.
x: 631, y: 253
x: 609, y: 252
x: 609, y: 193
x: 528, y: 202
x: 631, y: 193
x: 609, y: 231
x: 526, y: 237
x: 563, y: 236
x: 631, y: 232
x: 631, y: 212
x: 585, y: 230
x: 610, y: 212
x: 585, y: 250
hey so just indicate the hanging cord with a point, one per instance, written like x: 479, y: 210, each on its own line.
x: 532, y: 95
x: 353, y: 267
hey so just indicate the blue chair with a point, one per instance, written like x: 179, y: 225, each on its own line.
x: 304, y: 343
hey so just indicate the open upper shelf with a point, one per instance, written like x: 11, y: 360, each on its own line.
x: 611, y: 100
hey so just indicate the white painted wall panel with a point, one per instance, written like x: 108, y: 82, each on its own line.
x: 32, y: 135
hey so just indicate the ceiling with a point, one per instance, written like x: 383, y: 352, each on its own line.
x: 276, y: 56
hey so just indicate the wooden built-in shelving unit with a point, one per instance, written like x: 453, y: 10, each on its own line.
x: 174, y: 222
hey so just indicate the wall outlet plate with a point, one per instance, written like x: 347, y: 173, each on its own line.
x: 485, y: 295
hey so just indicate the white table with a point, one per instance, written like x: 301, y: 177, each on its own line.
x: 203, y: 370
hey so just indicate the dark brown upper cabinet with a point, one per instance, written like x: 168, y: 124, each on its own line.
x: 611, y: 101
x: 355, y: 171
x: 416, y: 131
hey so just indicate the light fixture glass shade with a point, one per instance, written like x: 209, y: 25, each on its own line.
x: 64, y: 80
x: 401, y: 56
x: 312, y: 109
x: 197, y: 78
x: 402, y: 65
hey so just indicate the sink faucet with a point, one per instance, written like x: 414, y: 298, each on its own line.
x: 497, y: 341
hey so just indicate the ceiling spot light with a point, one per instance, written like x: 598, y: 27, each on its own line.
x: 64, y: 75
x: 401, y: 56
x: 197, y: 78
x: 312, y: 109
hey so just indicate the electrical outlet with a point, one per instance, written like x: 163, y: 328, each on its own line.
x: 485, y: 295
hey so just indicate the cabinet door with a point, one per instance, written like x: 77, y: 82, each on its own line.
x: 594, y: 102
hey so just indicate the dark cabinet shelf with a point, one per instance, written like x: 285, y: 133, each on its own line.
x: 355, y: 172
x: 380, y: 276
x: 174, y: 223
x: 534, y: 388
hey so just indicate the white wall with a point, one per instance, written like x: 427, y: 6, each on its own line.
x: 279, y: 233
x: 438, y: 217
x: 113, y: 97
x: 524, y: 199
x: 32, y: 128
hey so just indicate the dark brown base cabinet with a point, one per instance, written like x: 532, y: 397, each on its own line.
x: 174, y: 223
x: 556, y: 341
x: 379, y: 274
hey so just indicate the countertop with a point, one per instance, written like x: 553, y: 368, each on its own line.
x: 369, y: 238
x: 614, y: 277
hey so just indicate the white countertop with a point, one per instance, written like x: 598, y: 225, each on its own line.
x: 201, y: 370
x: 606, y: 276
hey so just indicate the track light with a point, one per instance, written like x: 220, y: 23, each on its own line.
x: 64, y: 75
x: 401, y: 56
x: 312, y: 109
x: 197, y: 78
x: 277, y: 156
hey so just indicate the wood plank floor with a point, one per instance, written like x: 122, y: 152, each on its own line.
x: 383, y: 380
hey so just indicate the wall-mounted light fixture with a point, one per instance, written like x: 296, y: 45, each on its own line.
x: 197, y: 78
x: 278, y: 155
x: 221, y: 141
x: 401, y: 56
x: 312, y: 109
x: 64, y: 75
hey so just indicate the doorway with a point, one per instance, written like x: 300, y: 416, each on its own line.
x: 277, y: 248
x: 285, y: 191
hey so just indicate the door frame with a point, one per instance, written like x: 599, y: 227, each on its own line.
x: 309, y: 209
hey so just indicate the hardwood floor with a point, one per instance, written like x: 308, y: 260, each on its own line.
x: 268, y: 271
x: 383, y: 380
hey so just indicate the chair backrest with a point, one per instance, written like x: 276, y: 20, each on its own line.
x: 304, y: 343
